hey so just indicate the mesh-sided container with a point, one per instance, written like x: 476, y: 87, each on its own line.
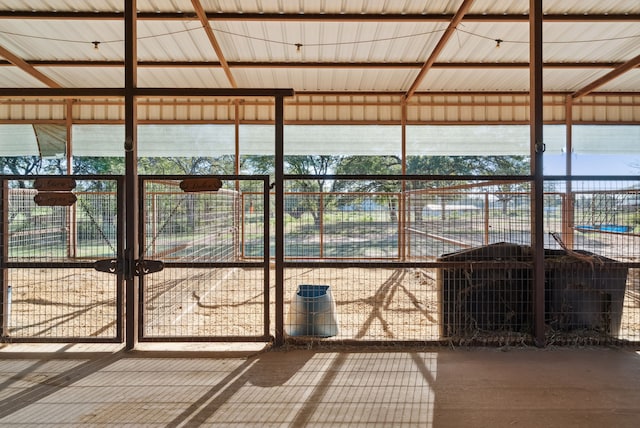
x: 490, y: 290
x: 312, y: 312
x: 584, y: 291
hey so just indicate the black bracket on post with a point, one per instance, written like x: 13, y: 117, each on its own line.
x: 108, y: 266
x: 142, y: 267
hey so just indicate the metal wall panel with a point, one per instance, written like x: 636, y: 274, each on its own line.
x: 304, y: 108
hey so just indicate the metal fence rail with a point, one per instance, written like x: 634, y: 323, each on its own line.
x: 208, y: 289
x: 412, y: 259
x: 50, y: 289
x: 464, y: 271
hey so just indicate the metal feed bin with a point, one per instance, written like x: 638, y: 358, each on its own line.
x: 584, y: 293
x: 312, y: 312
x: 492, y: 290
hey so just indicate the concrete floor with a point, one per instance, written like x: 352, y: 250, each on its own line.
x: 84, y: 385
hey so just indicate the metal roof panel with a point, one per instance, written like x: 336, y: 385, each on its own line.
x: 330, y: 6
x: 39, y: 39
x: 86, y: 77
x: 184, y: 78
x: 342, y: 49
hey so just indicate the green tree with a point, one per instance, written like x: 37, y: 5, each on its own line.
x: 372, y: 165
x: 187, y: 165
x: 310, y: 165
x: 21, y: 165
x: 30, y: 165
x: 464, y: 165
x: 86, y: 165
x: 506, y: 165
x: 98, y: 166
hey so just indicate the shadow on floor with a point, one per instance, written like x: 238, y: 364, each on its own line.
x: 327, y: 387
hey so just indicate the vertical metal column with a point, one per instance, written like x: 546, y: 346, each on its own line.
x: 537, y: 151
x: 266, y: 249
x: 69, y: 127
x: 404, y: 216
x: 120, y: 252
x: 236, y: 128
x: 568, y: 205
x: 4, y: 255
x: 131, y: 174
x: 72, y: 235
x: 279, y: 170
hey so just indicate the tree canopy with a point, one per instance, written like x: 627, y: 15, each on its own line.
x: 296, y: 165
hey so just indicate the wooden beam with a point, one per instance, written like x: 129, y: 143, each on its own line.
x: 618, y: 71
x: 214, y: 42
x: 28, y: 68
x: 464, y: 7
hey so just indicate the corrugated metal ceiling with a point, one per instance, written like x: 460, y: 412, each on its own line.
x: 329, y: 6
x: 372, y: 54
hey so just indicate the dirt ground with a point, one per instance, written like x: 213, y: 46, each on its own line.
x: 370, y: 304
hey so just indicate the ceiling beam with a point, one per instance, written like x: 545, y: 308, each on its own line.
x: 563, y: 94
x: 462, y: 10
x: 317, y: 64
x: 27, y: 68
x: 106, y: 96
x: 416, y: 17
x: 144, y: 92
x: 618, y: 71
x: 214, y: 42
x: 358, y: 17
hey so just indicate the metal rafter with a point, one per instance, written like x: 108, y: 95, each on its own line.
x: 417, y: 17
x: 464, y: 7
x: 356, y: 17
x: 314, y: 64
x: 618, y: 71
x: 214, y: 42
x: 32, y: 71
x: 28, y: 68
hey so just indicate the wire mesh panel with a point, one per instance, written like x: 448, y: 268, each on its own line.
x: 592, y: 260
x: 388, y: 268
x: 51, y: 239
x: 190, y: 226
x: 487, y: 293
x: 189, y: 302
x: 213, y: 287
x: 444, y: 217
x: 415, y: 259
x: 70, y: 304
x: 372, y: 303
x: 253, y: 225
x: 347, y: 225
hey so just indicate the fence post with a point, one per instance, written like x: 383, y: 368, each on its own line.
x: 131, y: 175
x: 537, y: 151
x: 4, y: 255
x: 279, y: 211
x: 486, y: 218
